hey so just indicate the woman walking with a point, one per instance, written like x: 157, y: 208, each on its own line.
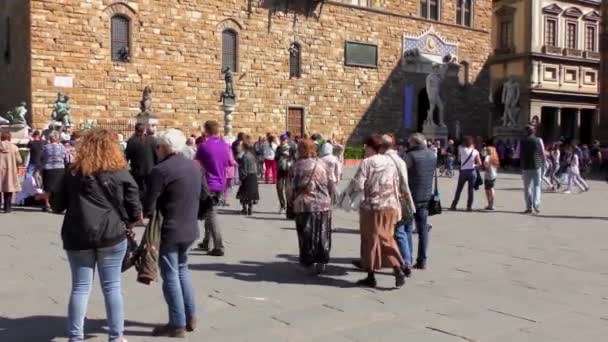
x: 101, y: 200
x: 491, y: 163
x: 270, y: 164
x: 10, y: 158
x: 54, y: 159
x: 248, y: 192
x: 311, y: 194
x: 380, y: 210
x: 469, y: 161
x: 574, y: 173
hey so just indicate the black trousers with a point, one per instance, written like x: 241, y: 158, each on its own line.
x: 7, y: 197
x: 142, y: 184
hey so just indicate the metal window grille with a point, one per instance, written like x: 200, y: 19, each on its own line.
x: 506, y: 34
x: 120, y: 37
x: 295, y: 55
x: 550, y: 32
x: 571, y: 36
x: 590, y: 44
x: 434, y: 9
x: 229, y: 50
x: 424, y: 8
x: 459, y: 12
x: 468, y: 10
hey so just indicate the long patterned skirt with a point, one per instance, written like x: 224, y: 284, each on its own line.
x: 314, y: 237
x: 378, y: 246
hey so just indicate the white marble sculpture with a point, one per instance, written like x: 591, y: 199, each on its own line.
x: 510, y: 100
x: 433, y: 90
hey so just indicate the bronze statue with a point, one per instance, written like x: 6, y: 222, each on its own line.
x: 15, y: 116
x: 229, y: 92
x: 145, y: 105
x: 61, y: 112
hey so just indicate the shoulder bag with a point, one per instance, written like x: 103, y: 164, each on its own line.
x: 434, y: 206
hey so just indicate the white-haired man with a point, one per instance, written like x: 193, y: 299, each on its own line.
x: 174, y: 189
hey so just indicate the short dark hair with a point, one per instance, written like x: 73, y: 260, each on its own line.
x: 36, y: 133
x: 376, y: 143
x: 240, y: 136
x: 468, y: 141
x: 212, y: 127
x: 288, y: 134
x: 140, y: 128
x: 5, y: 136
x: 530, y: 129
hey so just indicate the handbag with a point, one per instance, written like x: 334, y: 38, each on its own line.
x: 434, y: 205
x: 478, y: 180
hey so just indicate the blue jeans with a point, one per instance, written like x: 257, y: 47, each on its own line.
x: 403, y: 235
x: 466, y: 176
x: 177, y: 285
x: 82, y: 265
x: 532, y: 188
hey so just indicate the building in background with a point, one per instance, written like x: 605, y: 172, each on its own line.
x: 334, y: 67
x: 552, y: 49
x: 603, y: 132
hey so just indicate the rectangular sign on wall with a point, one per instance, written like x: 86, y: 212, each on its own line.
x: 64, y: 82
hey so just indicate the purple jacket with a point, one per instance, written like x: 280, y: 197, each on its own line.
x: 214, y: 155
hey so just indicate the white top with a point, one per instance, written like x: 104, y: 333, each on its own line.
x: 574, y: 164
x: 464, y: 155
x: 491, y: 172
x: 269, y: 151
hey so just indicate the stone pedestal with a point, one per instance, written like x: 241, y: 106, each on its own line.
x: 229, y: 106
x: 508, y: 133
x: 19, y: 133
x: 433, y: 133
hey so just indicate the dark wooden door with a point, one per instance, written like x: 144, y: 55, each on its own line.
x: 295, y: 121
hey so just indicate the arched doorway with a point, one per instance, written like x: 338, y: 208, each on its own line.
x: 423, y: 108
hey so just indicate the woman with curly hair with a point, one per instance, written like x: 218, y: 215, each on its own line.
x: 101, y: 200
x: 491, y: 163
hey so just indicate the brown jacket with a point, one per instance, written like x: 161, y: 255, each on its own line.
x: 9, y: 158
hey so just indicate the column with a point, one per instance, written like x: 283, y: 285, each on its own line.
x: 534, y: 73
x: 540, y: 74
x: 558, y: 128
x: 577, y: 123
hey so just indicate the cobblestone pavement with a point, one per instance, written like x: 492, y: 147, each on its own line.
x: 499, y: 276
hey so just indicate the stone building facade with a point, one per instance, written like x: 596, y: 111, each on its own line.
x: 603, y: 134
x: 551, y: 48
x: 351, y: 79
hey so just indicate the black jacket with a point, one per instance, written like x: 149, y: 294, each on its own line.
x: 531, y: 153
x: 91, y: 220
x: 141, y: 154
x: 421, y: 163
x: 174, y: 188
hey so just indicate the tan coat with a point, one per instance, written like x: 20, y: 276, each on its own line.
x: 9, y: 158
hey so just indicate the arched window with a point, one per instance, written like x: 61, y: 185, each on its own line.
x: 295, y: 60
x: 121, y: 38
x: 229, y: 50
x: 463, y: 73
x: 464, y: 9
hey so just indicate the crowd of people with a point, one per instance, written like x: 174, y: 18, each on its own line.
x: 106, y: 187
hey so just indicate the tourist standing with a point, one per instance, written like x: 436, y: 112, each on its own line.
x: 491, y: 163
x: 333, y: 164
x: 284, y: 161
x: 189, y: 151
x: 35, y: 146
x: 312, y: 191
x: 532, y: 160
x: 248, y: 192
x: 574, y: 172
x: 420, y: 163
x: 380, y: 210
x: 230, y: 174
x: 141, y: 155
x: 469, y: 161
x: 174, y: 190
x: 270, y: 163
x: 260, y: 146
x: 214, y: 156
x: 10, y: 158
x: 54, y: 161
x: 101, y: 199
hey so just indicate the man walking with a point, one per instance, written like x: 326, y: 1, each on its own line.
x: 532, y: 160
x: 214, y: 156
x: 284, y: 160
x: 140, y: 153
x: 421, y: 162
x: 174, y: 190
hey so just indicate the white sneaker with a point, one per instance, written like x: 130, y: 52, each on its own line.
x: 567, y: 192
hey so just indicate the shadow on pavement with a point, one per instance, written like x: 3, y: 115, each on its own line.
x: 563, y: 217
x: 49, y: 328
x: 334, y: 231
x: 276, y: 272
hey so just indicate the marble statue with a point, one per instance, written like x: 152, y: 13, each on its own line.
x: 433, y: 90
x: 145, y: 105
x: 510, y: 100
x: 228, y: 78
x: 15, y: 116
x: 61, y: 112
x: 457, y: 130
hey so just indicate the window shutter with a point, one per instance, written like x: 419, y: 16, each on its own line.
x: 120, y: 37
x: 295, y: 54
x: 229, y: 50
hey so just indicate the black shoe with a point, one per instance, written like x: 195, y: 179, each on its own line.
x: 420, y: 265
x: 399, y: 278
x: 528, y: 211
x: 249, y: 212
x: 407, y: 271
x: 216, y: 253
x: 357, y: 263
x: 244, y: 212
x: 368, y: 282
x: 453, y: 208
x: 469, y: 209
x: 204, y: 246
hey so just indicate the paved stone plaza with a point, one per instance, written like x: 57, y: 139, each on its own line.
x: 494, y: 277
